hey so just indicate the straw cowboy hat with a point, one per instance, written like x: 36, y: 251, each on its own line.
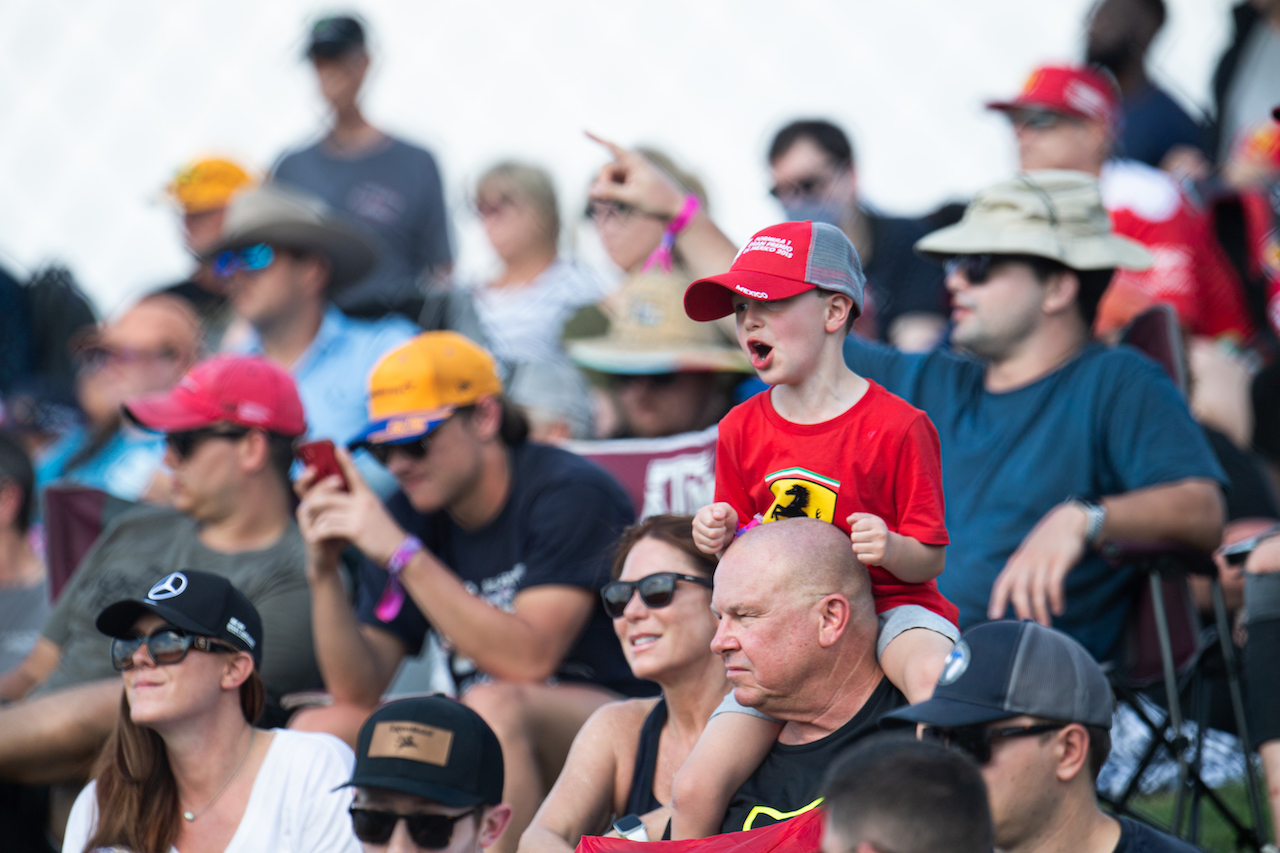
x: 1052, y: 213
x: 651, y: 334
x: 291, y: 219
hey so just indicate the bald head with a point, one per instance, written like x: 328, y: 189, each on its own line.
x: 804, y: 556
x: 797, y: 625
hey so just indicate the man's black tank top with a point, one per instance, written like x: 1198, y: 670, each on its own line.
x: 640, y: 800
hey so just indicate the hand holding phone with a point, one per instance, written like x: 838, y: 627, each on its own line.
x: 320, y: 456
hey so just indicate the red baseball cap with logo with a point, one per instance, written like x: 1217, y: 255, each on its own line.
x: 779, y: 262
x: 245, y: 390
x: 1072, y: 90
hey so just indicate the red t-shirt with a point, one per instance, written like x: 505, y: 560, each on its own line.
x: 881, y: 456
x: 1190, y: 271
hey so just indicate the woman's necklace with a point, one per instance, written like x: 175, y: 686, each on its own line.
x: 189, y: 815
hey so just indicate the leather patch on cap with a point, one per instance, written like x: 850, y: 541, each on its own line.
x: 414, y: 741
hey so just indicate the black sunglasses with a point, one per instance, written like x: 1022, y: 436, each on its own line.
x: 977, y: 269
x: 183, y: 444
x: 428, y: 831
x: 415, y: 449
x: 166, y: 646
x: 801, y: 187
x: 655, y: 591
x: 976, y: 740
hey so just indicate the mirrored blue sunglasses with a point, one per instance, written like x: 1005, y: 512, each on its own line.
x: 250, y: 258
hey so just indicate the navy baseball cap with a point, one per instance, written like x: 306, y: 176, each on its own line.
x: 1004, y: 669
x: 432, y: 747
x: 334, y: 37
x: 198, y: 603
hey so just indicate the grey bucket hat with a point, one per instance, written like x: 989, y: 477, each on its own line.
x: 291, y: 219
x: 1053, y: 213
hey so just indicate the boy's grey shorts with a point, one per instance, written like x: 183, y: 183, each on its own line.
x: 893, y: 622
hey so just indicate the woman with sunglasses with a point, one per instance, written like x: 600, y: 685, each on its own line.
x: 185, y: 769
x: 625, y: 757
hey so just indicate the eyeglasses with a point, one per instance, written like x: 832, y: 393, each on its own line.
x: 977, y: 269
x: 415, y: 449
x: 603, y: 211
x: 806, y: 187
x: 165, y: 645
x: 655, y: 591
x: 976, y: 740
x: 95, y: 358
x: 655, y: 380
x: 250, y: 258
x: 183, y: 444
x: 1035, y: 119
x: 428, y: 831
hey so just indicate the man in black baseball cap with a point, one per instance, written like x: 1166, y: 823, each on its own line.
x: 1033, y: 708
x: 200, y: 603
x: 428, y: 776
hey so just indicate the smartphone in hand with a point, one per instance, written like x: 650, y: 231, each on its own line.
x: 319, y: 455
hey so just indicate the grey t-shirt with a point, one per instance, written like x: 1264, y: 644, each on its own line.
x: 145, y: 544
x: 23, y: 611
x: 394, y: 193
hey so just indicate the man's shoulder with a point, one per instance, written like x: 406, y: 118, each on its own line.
x: 148, y: 521
x: 544, y: 467
x: 1137, y: 837
x: 1101, y: 366
x: 389, y: 329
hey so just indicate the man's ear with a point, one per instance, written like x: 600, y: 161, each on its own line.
x: 486, y: 419
x: 1061, y: 292
x: 10, y: 503
x: 1072, y: 751
x: 315, y: 271
x: 493, y: 823
x: 255, y: 452
x: 833, y: 617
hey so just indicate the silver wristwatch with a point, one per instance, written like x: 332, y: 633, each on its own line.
x: 1096, y: 515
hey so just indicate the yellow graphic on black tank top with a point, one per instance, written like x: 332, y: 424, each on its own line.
x: 798, y: 493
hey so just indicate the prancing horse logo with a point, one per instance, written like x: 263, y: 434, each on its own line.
x: 171, y: 586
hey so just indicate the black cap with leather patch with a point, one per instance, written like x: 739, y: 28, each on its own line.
x: 433, y: 747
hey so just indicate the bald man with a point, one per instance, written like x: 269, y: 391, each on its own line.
x: 798, y: 636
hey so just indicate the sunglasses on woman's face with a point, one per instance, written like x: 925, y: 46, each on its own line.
x: 165, y: 645
x: 428, y: 831
x: 976, y: 740
x: 655, y: 591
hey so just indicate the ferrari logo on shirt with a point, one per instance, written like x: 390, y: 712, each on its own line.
x: 798, y: 493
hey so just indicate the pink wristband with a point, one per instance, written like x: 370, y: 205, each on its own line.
x: 661, y: 256
x: 392, y: 599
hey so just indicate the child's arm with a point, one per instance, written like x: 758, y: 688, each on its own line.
x: 714, y: 527
x: 907, y: 559
x: 913, y: 660
x: 729, y: 750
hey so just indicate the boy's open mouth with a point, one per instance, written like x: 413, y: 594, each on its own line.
x: 760, y: 350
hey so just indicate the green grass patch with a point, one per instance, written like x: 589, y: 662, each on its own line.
x: 1216, y: 834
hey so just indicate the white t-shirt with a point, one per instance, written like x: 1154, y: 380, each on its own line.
x: 525, y: 323
x: 292, y: 808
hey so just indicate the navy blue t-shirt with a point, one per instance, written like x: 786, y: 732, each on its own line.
x: 558, y: 527
x: 901, y: 281
x: 1139, y: 838
x: 1153, y: 124
x: 1107, y: 422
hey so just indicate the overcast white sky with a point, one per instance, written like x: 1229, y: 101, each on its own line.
x: 102, y: 102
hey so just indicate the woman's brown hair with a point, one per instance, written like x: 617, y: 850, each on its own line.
x: 674, y: 530
x: 138, y: 806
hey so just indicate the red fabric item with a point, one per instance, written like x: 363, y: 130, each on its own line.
x: 774, y: 264
x: 1263, y: 234
x: 1191, y: 273
x: 1070, y: 89
x: 246, y: 390
x: 800, y: 834
x: 881, y: 456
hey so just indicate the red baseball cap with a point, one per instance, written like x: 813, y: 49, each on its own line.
x: 245, y: 390
x: 779, y: 262
x: 1073, y: 90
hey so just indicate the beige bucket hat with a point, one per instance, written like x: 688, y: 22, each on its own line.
x: 650, y: 334
x: 294, y: 220
x: 1052, y: 213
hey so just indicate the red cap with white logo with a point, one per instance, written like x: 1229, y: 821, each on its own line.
x: 777, y: 263
x: 1073, y: 90
x: 245, y: 390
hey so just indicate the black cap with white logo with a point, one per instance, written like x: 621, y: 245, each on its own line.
x: 1004, y: 669
x: 433, y: 747
x: 198, y: 603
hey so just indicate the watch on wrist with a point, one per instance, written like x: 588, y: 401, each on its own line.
x: 1095, y: 517
x: 631, y: 828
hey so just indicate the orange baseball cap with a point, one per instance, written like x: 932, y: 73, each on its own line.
x: 207, y: 184
x: 419, y: 385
